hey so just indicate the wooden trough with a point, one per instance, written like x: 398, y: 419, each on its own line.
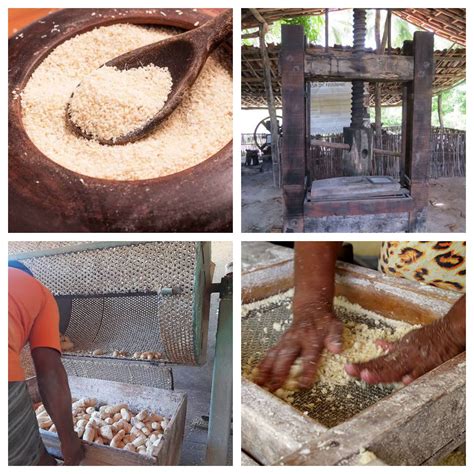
x: 46, y: 197
x: 164, y: 402
x: 416, y: 425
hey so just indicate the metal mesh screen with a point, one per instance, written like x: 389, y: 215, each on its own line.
x: 328, y: 408
x: 116, y: 323
x: 116, y: 295
x: 137, y: 373
x: 29, y: 246
x: 149, y: 374
x: 145, y: 267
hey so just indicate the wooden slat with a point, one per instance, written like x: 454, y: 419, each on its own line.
x: 408, y: 427
x: 246, y: 460
x: 358, y: 207
x: 270, y: 427
x: 369, y: 67
x: 293, y: 142
x: 166, y: 402
x: 371, y: 289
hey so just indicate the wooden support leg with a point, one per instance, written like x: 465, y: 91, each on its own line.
x: 293, y: 146
x: 220, y: 413
x: 418, y: 132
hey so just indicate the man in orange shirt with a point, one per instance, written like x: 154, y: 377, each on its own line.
x: 33, y: 318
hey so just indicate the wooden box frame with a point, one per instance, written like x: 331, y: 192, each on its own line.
x: 416, y: 425
x: 168, y: 403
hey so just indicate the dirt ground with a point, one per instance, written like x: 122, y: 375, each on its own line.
x: 262, y: 205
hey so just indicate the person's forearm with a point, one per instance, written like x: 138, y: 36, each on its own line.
x: 314, y: 274
x: 56, y: 397
x: 455, y: 321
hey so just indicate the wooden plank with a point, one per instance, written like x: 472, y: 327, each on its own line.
x: 419, y: 134
x: 353, y: 187
x: 293, y: 142
x: 270, y: 427
x: 369, y: 67
x: 168, y: 403
x: 358, y: 207
x: 395, y: 222
x: 371, y: 289
x: 246, y: 460
x: 277, y: 261
x: 406, y: 428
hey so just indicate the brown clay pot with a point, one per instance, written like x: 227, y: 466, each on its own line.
x: 46, y: 197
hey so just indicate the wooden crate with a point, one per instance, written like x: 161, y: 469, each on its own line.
x: 168, y: 403
x: 416, y: 425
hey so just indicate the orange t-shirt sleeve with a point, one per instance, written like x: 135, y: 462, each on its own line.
x: 45, y: 329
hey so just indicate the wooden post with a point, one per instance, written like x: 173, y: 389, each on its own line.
x: 378, y: 104
x: 389, y: 31
x: 418, y: 141
x: 270, y: 99
x: 308, y: 125
x: 440, y: 110
x: 441, y: 132
x: 407, y: 120
x: 293, y: 144
x: 326, y: 29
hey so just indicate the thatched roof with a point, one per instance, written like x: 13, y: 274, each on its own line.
x: 450, y: 70
x: 449, y: 23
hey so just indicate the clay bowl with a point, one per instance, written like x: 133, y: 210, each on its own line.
x: 46, y: 197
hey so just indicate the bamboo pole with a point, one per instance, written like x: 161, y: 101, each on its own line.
x: 262, y: 29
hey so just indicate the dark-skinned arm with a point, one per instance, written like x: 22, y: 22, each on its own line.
x: 314, y: 325
x: 56, y: 396
x: 418, y: 352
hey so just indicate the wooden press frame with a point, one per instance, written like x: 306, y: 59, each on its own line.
x: 414, y: 69
x: 417, y: 425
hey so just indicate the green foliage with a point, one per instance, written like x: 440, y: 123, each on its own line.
x: 454, y: 110
x: 312, y: 25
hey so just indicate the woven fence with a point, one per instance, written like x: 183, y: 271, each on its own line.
x: 448, y: 155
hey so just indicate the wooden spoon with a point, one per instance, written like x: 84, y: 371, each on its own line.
x: 184, y: 55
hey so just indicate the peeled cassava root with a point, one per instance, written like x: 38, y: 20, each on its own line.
x: 67, y: 346
x: 113, y: 425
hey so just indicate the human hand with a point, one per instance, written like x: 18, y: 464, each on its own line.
x: 418, y: 352
x: 73, y: 451
x: 310, y: 333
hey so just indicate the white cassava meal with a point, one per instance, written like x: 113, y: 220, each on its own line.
x: 196, y: 130
x: 110, y: 102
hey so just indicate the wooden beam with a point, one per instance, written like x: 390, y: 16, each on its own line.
x: 293, y: 159
x: 358, y: 207
x: 419, y: 133
x: 369, y: 67
x: 344, y: 146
